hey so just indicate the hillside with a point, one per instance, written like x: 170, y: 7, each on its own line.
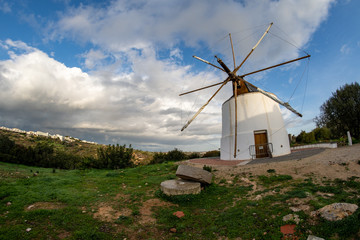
x: 76, y: 147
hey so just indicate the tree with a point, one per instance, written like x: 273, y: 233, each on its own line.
x: 341, y: 112
x: 322, y: 134
x: 305, y: 137
x: 115, y: 156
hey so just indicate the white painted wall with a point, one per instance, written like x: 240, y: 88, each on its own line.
x: 255, y: 112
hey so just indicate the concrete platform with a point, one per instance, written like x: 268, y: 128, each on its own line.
x: 180, y: 187
x: 295, y: 155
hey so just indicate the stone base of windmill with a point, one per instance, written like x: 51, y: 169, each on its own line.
x: 190, y: 181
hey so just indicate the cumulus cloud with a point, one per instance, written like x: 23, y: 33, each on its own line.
x: 137, y: 107
x: 125, y: 25
x: 130, y: 93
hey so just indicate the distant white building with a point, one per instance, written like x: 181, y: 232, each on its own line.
x: 43, y: 134
x: 57, y: 136
x: 60, y: 137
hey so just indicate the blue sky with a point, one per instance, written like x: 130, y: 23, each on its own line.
x: 111, y: 71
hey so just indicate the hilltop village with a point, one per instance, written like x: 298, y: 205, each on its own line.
x: 45, y: 134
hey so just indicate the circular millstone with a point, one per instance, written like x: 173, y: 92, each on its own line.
x: 180, y: 187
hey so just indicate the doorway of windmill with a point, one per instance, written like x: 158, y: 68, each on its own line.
x: 261, y: 144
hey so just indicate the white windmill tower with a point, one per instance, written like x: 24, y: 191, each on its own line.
x: 252, y: 124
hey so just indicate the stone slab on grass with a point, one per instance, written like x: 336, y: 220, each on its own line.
x: 337, y: 211
x: 180, y: 187
x: 194, y: 174
x: 311, y: 237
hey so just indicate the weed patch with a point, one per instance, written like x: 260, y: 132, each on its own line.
x: 273, y: 179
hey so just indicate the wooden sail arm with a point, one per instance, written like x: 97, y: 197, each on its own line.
x: 247, y: 74
x: 202, y: 108
x: 236, y: 120
x: 195, y: 90
x: 232, y: 50
x: 274, y: 66
x: 252, y: 50
x: 207, y: 62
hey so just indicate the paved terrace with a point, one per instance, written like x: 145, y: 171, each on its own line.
x: 295, y: 155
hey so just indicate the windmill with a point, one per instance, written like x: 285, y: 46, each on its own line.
x: 249, y: 97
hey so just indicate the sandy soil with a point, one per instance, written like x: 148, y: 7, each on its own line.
x: 335, y: 163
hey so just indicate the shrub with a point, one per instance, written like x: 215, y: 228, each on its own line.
x: 194, y: 155
x: 115, y: 157
x: 274, y: 179
x: 214, y: 153
x: 159, y: 157
x: 171, y: 156
x: 207, y: 168
x: 175, y: 155
x: 322, y: 134
x: 6, y: 145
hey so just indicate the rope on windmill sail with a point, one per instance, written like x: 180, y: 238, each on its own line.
x: 287, y: 35
x: 306, y: 82
x: 301, y: 78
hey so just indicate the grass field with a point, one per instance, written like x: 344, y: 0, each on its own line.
x: 39, y: 203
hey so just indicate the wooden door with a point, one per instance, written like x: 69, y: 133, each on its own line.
x: 261, y: 144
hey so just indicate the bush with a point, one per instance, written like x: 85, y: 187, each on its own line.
x: 214, y: 153
x: 309, y: 137
x: 115, y: 157
x: 194, y: 155
x: 322, y: 134
x: 207, y: 168
x: 159, y: 157
x: 6, y: 145
x: 171, y: 156
x: 175, y: 155
x: 305, y: 137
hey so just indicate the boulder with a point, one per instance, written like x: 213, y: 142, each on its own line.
x: 292, y: 217
x: 180, y: 187
x: 337, y: 211
x: 311, y: 237
x: 194, y: 174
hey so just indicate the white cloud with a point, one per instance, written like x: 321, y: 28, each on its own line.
x: 176, y: 53
x: 139, y: 106
x: 93, y: 58
x: 124, y: 25
x: 131, y: 94
x: 5, y: 7
x: 345, y: 49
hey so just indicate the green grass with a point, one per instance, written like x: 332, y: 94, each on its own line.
x: 219, y: 211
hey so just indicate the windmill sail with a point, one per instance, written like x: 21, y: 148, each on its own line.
x: 253, y: 88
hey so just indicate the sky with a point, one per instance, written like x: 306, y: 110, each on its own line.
x: 112, y: 71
